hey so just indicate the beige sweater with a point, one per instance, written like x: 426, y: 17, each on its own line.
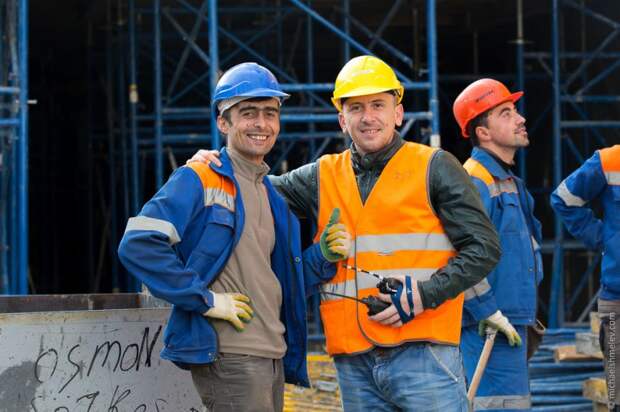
x: 248, y: 271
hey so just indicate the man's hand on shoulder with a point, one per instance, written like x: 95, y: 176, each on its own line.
x: 205, y: 156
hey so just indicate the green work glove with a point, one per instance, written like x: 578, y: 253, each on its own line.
x: 500, y: 322
x: 335, y: 240
x: 232, y: 307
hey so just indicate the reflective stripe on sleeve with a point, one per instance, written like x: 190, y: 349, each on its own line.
x: 535, y: 244
x: 158, y: 225
x: 478, y: 289
x: 567, y: 197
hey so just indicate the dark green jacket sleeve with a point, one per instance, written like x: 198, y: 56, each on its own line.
x: 458, y: 206
x: 299, y: 188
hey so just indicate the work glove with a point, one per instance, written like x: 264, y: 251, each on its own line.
x: 232, y: 307
x: 500, y: 322
x: 335, y: 240
x: 406, y: 303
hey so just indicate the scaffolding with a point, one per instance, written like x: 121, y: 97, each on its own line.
x: 241, y: 45
x: 579, y: 106
x: 173, y: 52
x: 14, y: 147
x: 166, y: 57
x: 162, y: 59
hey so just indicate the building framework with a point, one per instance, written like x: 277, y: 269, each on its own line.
x: 162, y: 59
x: 14, y: 147
x: 578, y: 66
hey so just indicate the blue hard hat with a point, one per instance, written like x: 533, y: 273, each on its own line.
x: 247, y: 80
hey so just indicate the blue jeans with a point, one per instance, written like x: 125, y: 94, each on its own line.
x: 412, y: 377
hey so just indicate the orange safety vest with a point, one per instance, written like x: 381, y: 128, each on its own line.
x: 395, y: 232
x: 610, y: 161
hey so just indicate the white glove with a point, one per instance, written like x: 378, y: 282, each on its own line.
x: 232, y: 307
x: 500, y: 322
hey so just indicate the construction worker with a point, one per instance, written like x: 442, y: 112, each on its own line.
x: 598, y: 178
x: 222, y: 246
x: 506, y: 299
x: 414, y: 215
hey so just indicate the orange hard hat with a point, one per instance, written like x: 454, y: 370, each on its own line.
x: 477, y: 98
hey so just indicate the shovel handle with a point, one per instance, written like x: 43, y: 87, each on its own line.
x: 482, y: 364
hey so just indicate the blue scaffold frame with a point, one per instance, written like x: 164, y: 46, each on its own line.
x: 14, y: 170
x: 571, y: 89
x: 155, y: 128
x: 318, y: 110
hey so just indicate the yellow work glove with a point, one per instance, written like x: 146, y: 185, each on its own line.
x: 335, y: 240
x: 500, y: 322
x: 232, y: 307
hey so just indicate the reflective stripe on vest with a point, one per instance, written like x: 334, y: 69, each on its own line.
x: 512, y: 402
x: 610, y: 161
x: 394, y: 232
x: 386, y: 244
x: 366, y: 281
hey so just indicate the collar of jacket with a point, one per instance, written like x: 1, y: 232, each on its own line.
x: 377, y: 159
x: 226, y: 169
x: 490, y: 163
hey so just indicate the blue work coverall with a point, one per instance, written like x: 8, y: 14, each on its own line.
x: 570, y: 201
x: 598, y: 178
x: 181, y: 241
x: 511, y: 287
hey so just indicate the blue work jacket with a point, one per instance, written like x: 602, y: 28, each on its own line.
x: 570, y: 200
x: 181, y: 241
x: 512, y: 286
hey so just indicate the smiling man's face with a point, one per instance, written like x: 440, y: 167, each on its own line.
x: 371, y: 120
x: 253, y: 127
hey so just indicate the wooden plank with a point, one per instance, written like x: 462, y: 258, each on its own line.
x: 569, y: 353
x: 595, y: 389
x: 599, y: 407
x: 595, y: 323
x: 587, y: 344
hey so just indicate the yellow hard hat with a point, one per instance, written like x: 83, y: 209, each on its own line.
x: 364, y: 75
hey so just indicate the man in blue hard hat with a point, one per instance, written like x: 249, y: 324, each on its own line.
x: 221, y: 245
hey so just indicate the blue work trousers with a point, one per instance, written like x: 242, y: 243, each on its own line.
x: 411, y: 377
